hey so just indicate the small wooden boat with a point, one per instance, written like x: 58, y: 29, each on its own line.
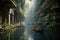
x: 38, y: 29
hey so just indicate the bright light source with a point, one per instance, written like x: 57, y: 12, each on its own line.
x: 27, y: 1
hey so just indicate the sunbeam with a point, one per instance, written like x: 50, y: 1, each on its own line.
x: 29, y: 17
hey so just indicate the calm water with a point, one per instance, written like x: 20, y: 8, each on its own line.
x: 26, y: 32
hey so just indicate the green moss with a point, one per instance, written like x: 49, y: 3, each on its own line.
x: 20, y: 10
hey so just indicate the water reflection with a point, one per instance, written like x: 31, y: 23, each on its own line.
x: 30, y: 38
x: 39, y: 36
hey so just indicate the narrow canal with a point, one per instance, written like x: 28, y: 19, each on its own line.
x: 26, y: 32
